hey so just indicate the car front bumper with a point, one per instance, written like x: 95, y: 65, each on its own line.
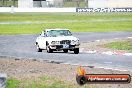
x: 62, y: 47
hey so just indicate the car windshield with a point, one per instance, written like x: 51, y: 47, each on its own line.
x: 55, y: 33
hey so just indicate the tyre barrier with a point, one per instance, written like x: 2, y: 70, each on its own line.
x: 3, y: 80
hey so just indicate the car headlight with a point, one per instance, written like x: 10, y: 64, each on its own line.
x: 73, y: 42
x: 55, y: 42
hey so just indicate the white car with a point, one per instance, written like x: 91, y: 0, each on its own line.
x: 56, y: 40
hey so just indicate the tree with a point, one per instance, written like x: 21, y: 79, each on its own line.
x: 40, y: 3
x: 13, y: 2
x: 3, y: 2
x: 78, y: 3
x: 86, y: 3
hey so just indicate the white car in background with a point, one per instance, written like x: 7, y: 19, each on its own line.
x: 56, y: 40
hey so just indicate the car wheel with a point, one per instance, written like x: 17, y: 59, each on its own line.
x: 49, y: 50
x: 38, y: 49
x: 65, y: 51
x: 76, y: 51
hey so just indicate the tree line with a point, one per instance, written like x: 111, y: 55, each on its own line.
x: 8, y: 2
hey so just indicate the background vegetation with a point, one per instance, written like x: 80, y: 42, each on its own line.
x: 33, y: 23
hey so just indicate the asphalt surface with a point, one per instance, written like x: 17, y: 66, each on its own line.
x: 23, y: 46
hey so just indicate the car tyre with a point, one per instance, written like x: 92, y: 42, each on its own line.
x: 49, y: 50
x: 76, y: 51
x: 65, y: 51
x: 38, y: 49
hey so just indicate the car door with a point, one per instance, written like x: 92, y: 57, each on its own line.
x: 42, y: 41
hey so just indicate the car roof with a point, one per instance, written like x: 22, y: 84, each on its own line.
x: 56, y: 29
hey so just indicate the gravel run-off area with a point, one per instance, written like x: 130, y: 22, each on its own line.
x: 32, y: 69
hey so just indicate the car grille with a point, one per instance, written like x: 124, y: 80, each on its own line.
x: 65, y: 42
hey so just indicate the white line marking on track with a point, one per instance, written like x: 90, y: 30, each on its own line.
x: 116, y: 38
x: 108, y: 53
x: 108, y: 62
x: 129, y: 37
x: 91, y: 51
x: 128, y: 54
x: 97, y: 40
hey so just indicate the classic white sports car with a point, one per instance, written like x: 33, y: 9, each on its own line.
x: 56, y: 40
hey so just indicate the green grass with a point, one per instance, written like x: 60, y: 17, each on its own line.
x: 76, y: 22
x: 42, y: 82
x: 121, y: 45
x: 12, y: 83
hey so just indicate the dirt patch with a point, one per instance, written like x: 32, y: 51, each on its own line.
x: 32, y: 69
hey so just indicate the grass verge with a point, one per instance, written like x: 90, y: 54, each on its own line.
x: 33, y: 23
x: 12, y: 83
x: 42, y: 82
x: 121, y: 45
